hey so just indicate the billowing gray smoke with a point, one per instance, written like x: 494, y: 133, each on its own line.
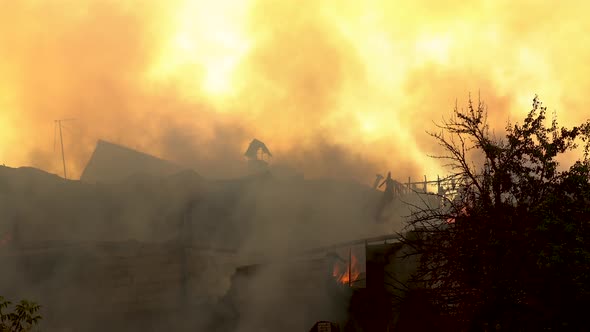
x: 134, y: 249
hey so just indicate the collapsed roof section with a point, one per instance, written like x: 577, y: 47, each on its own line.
x: 112, y: 163
x: 254, y: 147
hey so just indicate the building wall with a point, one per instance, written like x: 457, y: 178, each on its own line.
x: 122, y: 286
x: 290, y: 295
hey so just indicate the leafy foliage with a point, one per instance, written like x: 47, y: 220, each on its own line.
x: 512, y: 250
x: 22, y: 318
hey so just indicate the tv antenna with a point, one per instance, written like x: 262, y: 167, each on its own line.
x: 58, y: 124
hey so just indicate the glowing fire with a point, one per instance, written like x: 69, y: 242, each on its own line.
x: 462, y: 213
x: 346, y: 273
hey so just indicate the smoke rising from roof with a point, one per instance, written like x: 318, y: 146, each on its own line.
x: 336, y: 88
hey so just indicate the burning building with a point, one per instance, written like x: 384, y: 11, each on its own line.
x: 141, y: 242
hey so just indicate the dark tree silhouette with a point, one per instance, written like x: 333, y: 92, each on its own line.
x: 511, y: 251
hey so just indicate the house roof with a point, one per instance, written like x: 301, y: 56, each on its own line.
x: 111, y: 163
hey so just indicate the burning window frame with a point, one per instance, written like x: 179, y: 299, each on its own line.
x: 351, y: 269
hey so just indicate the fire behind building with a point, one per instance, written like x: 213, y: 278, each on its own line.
x: 141, y: 244
x: 356, y: 286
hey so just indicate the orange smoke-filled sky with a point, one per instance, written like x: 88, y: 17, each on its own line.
x: 334, y: 87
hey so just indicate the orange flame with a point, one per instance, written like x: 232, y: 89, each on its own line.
x: 347, y: 273
x: 462, y: 213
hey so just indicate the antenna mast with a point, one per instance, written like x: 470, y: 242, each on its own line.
x: 61, y: 139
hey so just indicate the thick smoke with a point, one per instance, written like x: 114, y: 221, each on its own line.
x: 335, y: 88
x: 363, y: 80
